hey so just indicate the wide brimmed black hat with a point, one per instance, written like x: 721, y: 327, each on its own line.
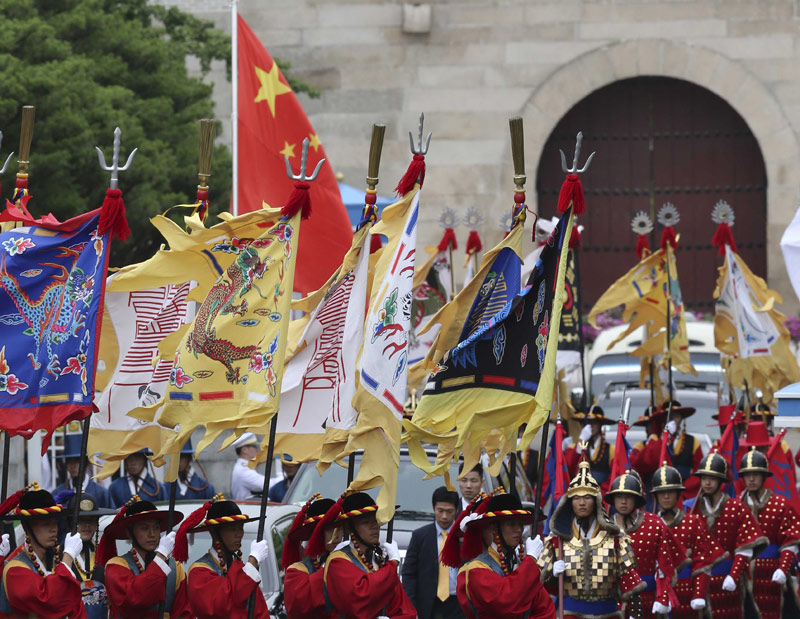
x: 629, y: 483
x: 221, y: 513
x: 136, y: 512
x: 303, y: 527
x: 35, y: 504
x: 666, y: 478
x: 501, y: 507
x: 754, y: 462
x: 651, y: 413
x: 595, y: 413
x: 677, y: 407
x: 88, y: 507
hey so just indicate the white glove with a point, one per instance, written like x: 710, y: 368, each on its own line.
x: 672, y: 427
x: 534, y: 546
x: 73, y: 544
x: 259, y: 550
x: 729, y: 584
x: 166, y: 545
x: 566, y: 443
x: 391, y: 551
x: 559, y: 567
x: 5, y: 545
x: 660, y: 609
x: 779, y: 576
x: 586, y: 433
x: 698, y: 604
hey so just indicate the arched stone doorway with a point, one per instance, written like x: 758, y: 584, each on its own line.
x: 660, y: 140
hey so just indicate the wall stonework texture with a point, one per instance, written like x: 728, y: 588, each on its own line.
x: 483, y: 62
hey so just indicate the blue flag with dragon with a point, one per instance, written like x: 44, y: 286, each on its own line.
x: 52, y: 281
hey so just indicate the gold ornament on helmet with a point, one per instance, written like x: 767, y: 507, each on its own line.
x: 583, y: 484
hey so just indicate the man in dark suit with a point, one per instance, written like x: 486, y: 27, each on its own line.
x: 430, y: 585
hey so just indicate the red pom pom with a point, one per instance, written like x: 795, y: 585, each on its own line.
x: 181, y: 550
x: 11, y: 502
x: 448, y: 240
x: 107, y: 547
x: 299, y: 200
x: 642, y: 247
x: 519, y: 197
x: 112, y: 216
x: 370, y: 198
x: 668, y: 236
x: 474, y: 243
x: 416, y: 170
x: 723, y: 236
x: 571, y: 191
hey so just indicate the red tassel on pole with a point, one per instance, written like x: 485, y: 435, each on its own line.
x: 374, y: 243
x: 642, y: 247
x: 668, y: 236
x: 416, y: 170
x: 572, y: 191
x: 448, y: 240
x: 575, y: 238
x: 723, y: 236
x: 112, y: 216
x: 474, y: 244
x: 299, y: 200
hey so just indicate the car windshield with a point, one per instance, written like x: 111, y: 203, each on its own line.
x: 413, y: 492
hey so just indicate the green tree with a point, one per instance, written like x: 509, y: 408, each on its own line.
x: 89, y: 66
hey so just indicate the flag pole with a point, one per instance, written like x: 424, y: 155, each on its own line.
x: 515, y: 128
x: 205, y: 148
x: 669, y: 328
x: 235, y: 105
x: 81, y: 472
x: 585, y: 396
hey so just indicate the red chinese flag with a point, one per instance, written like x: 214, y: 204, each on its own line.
x: 622, y: 461
x: 272, y: 125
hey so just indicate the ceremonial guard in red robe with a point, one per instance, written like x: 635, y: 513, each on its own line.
x: 220, y: 583
x: 360, y: 576
x: 593, y: 444
x: 684, y: 449
x: 691, y: 532
x: 658, y: 554
x: 500, y: 578
x: 147, y: 575
x: 303, y: 588
x: 645, y: 455
x: 735, y: 529
x: 35, y: 582
x: 781, y: 525
x: 591, y: 551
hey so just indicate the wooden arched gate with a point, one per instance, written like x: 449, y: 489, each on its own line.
x: 659, y: 140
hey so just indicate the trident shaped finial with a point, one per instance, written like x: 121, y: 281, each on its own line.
x: 5, y: 165
x: 418, y: 149
x: 575, y: 169
x: 114, y: 167
x: 303, y: 159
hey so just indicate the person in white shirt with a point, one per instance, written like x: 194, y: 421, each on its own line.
x: 245, y: 482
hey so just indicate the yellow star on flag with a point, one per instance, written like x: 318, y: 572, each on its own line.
x: 314, y: 141
x: 288, y: 150
x: 271, y: 86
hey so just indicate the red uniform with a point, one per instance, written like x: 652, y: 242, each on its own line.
x: 704, y: 552
x: 304, y: 592
x: 738, y: 533
x: 644, y: 456
x: 55, y: 595
x: 214, y: 593
x: 485, y: 591
x: 655, y: 548
x: 685, y: 453
x: 136, y: 595
x: 600, y: 456
x: 358, y: 591
x: 781, y: 525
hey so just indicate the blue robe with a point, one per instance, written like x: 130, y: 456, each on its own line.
x: 278, y: 491
x: 99, y: 493
x: 120, y: 492
x: 192, y: 495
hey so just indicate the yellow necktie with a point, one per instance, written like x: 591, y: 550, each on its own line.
x: 443, y: 589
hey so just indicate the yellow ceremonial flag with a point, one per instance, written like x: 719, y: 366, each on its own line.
x: 750, y: 331
x: 227, y: 364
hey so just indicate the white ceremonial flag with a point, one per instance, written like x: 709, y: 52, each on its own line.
x: 790, y: 245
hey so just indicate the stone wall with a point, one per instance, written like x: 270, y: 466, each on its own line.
x: 483, y: 62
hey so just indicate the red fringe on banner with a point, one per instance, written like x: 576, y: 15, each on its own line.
x: 112, y: 216
x: 571, y: 191
x: 299, y: 200
x: 722, y: 237
x: 448, y: 239
x: 416, y: 170
x: 668, y: 236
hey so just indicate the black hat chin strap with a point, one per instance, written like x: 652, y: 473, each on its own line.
x: 369, y: 549
x: 49, y: 552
